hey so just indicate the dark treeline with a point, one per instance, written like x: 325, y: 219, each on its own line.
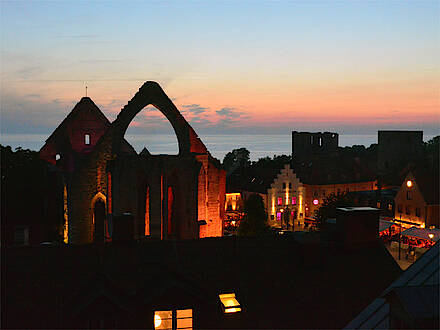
x: 31, y: 194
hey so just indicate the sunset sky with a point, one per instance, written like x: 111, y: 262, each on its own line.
x: 230, y: 67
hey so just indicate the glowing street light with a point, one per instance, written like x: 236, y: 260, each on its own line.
x: 409, y: 183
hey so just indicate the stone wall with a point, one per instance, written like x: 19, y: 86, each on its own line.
x: 196, y: 193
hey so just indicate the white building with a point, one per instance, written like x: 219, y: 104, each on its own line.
x: 286, y: 200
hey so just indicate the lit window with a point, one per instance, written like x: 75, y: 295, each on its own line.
x: 87, y: 139
x: 280, y: 201
x: 182, y: 319
x: 278, y: 216
x: 230, y: 303
x: 293, y: 200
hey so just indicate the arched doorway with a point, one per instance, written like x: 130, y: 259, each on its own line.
x: 99, y: 221
x: 99, y: 214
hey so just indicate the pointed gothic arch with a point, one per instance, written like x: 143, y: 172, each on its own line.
x: 152, y: 94
x: 99, y: 217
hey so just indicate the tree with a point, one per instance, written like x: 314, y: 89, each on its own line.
x: 31, y: 192
x: 329, y: 206
x: 254, y: 220
x: 237, y: 159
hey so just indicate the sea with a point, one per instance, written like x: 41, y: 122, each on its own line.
x: 259, y: 145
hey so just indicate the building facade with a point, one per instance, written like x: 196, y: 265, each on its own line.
x: 286, y: 200
x: 417, y: 201
x: 289, y: 201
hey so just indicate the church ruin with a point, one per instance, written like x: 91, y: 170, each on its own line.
x: 113, y: 192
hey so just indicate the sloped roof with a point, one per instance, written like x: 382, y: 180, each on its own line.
x: 424, y: 272
x: 85, y: 104
x: 279, y: 282
x: 428, y: 182
x: 422, y: 233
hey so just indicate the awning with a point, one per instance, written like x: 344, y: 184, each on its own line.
x: 422, y: 233
x: 407, y: 222
x: 384, y: 225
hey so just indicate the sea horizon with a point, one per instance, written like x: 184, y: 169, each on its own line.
x: 259, y: 145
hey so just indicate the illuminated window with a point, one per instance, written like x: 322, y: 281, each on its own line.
x: 280, y: 201
x: 230, y: 303
x: 87, y: 139
x: 293, y: 200
x: 278, y: 216
x: 174, y: 319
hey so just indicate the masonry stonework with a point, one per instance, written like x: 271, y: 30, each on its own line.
x: 185, y: 192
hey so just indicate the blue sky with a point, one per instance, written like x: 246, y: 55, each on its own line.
x: 252, y: 66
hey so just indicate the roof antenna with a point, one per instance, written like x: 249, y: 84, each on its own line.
x: 86, y: 90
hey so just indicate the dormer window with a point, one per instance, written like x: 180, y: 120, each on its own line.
x: 230, y: 303
x: 87, y: 139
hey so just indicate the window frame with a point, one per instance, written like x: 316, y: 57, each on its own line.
x: 174, y: 318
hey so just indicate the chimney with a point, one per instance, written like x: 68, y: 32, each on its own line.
x: 357, y: 226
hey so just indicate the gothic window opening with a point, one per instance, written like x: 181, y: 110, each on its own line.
x: 66, y: 217
x: 170, y: 210
x: 147, y: 212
